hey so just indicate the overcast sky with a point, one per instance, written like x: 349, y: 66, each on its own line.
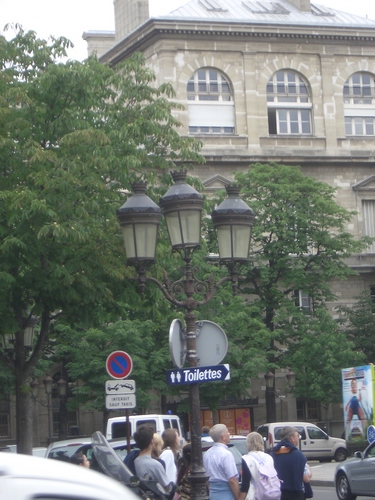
x: 70, y: 18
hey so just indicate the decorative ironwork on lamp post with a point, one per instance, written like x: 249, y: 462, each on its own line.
x: 181, y: 206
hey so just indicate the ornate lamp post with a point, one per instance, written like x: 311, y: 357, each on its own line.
x: 270, y: 396
x: 48, y: 382
x: 182, y: 205
x: 271, y: 393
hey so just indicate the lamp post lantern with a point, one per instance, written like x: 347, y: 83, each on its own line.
x: 182, y: 208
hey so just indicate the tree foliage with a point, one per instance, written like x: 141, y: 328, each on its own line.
x: 318, y: 354
x: 73, y: 136
x: 300, y: 240
x: 358, y: 323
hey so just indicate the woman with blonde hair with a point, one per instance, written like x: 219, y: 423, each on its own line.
x: 157, y: 448
x: 250, y: 465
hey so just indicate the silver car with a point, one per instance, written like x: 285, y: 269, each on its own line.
x: 356, y: 476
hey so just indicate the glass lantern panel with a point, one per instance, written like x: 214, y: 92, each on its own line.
x: 184, y: 228
x: 241, y: 241
x: 140, y: 241
x: 234, y: 239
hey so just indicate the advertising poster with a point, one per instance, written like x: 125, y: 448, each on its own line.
x: 226, y: 417
x: 358, y: 401
x: 243, y: 426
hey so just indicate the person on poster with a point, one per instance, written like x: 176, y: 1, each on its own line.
x: 354, y: 408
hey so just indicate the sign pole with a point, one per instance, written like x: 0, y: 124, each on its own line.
x: 127, y: 423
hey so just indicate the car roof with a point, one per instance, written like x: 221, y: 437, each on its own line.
x: 24, y: 466
x: 283, y: 424
x: 69, y: 442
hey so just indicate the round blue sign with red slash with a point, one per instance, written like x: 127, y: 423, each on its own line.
x: 119, y: 364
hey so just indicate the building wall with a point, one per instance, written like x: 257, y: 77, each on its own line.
x: 248, y: 55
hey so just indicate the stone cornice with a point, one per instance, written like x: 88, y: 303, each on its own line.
x: 153, y: 29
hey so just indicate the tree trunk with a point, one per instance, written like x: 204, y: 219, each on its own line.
x: 24, y: 423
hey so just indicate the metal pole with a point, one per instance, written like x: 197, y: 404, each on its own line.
x: 198, y: 478
x: 127, y: 424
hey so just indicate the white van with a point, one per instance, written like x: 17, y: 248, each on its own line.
x: 116, y: 426
x: 314, y: 443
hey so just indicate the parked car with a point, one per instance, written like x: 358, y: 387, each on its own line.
x: 356, y: 476
x: 207, y: 442
x: 116, y: 426
x: 240, y: 443
x: 314, y: 443
x: 23, y: 477
x: 63, y: 450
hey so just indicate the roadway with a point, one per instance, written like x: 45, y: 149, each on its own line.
x: 322, y: 481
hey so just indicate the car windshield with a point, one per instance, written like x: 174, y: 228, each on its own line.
x: 64, y: 452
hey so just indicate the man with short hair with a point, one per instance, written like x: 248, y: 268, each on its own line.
x: 221, y: 466
x: 147, y: 467
x: 291, y: 465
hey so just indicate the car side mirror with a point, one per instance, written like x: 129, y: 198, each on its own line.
x: 358, y: 454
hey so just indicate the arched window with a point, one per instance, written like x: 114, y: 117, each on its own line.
x: 210, y: 103
x: 289, y: 104
x: 359, y: 104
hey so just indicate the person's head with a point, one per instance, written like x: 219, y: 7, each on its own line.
x: 291, y: 434
x: 220, y: 433
x: 144, y: 436
x: 157, y: 446
x: 254, y: 442
x: 79, y: 459
x: 205, y: 429
x: 171, y: 440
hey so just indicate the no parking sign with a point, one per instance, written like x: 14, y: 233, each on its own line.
x: 119, y: 364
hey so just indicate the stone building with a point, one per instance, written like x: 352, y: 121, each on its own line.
x: 286, y: 81
x: 260, y: 81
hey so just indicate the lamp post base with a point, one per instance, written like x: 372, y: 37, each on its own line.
x: 198, y: 482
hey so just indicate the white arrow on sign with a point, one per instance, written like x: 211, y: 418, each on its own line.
x: 120, y: 386
x: 120, y: 402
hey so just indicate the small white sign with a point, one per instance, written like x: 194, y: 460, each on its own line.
x: 120, y: 386
x: 120, y: 401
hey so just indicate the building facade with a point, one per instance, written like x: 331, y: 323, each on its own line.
x: 290, y: 82
x: 287, y: 81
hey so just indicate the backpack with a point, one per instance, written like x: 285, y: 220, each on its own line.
x: 129, y: 460
x: 268, y: 486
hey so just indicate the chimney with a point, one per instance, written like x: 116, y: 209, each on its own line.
x: 129, y: 14
x: 302, y: 5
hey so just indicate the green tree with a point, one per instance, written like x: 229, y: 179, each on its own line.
x: 72, y: 138
x: 133, y: 336
x: 359, y: 325
x: 318, y: 354
x: 299, y: 242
